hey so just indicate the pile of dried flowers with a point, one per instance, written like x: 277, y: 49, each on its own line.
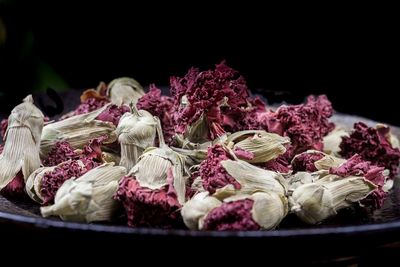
x: 209, y: 157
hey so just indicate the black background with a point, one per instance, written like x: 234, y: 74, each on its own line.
x: 347, y: 54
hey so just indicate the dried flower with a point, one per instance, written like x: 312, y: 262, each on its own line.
x: 219, y: 95
x: 22, y: 140
x: 372, y: 144
x: 88, y: 198
x: 332, y: 141
x: 313, y: 160
x: 314, y: 202
x: 77, y: 131
x: 124, y: 91
x: 357, y: 167
x: 160, y: 106
x: 261, y: 210
x: 258, y: 146
x: 304, y: 124
x: 136, y: 132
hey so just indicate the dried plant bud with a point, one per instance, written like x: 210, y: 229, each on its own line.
x: 252, y: 179
x: 332, y: 141
x: 258, y: 146
x: 314, y: 160
x: 261, y: 210
x: 196, y: 209
x: 77, y: 131
x: 136, y: 131
x: 153, y: 165
x: 22, y: 141
x: 314, y: 202
x: 34, y: 183
x: 124, y: 91
x: 88, y: 198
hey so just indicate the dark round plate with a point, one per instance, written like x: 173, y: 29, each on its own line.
x: 352, y: 232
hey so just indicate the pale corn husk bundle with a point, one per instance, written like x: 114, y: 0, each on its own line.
x: 124, y: 91
x: 315, y: 202
x: 152, y: 168
x: 332, y: 141
x: 136, y: 131
x: 88, y: 198
x: 251, y: 179
x: 22, y: 141
x: 77, y: 130
x: 263, y: 146
x: 267, y: 211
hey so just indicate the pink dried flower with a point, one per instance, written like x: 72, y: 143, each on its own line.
x: 213, y: 175
x: 220, y: 95
x: 147, y: 207
x: 230, y: 216
x: 113, y: 113
x: 305, y: 162
x: 53, y: 180
x: 280, y: 164
x: 62, y: 151
x: 372, y: 145
x: 160, y: 106
x: 358, y: 167
x: 304, y: 124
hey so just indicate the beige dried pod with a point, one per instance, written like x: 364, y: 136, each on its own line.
x: 88, y: 198
x: 111, y: 157
x: 257, y: 146
x: 196, y: 209
x: 136, y: 131
x: 76, y: 130
x: 314, y: 202
x: 332, y: 141
x: 269, y: 209
x: 252, y: 179
x: 22, y: 141
x: 152, y: 168
x: 124, y: 91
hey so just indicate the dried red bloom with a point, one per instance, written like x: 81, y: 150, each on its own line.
x: 113, y: 113
x: 16, y: 188
x: 213, y: 175
x: 1, y: 148
x: 53, y: 180
x: 3, y: 127
x: 221, y: 95
x: 372, y: 145
x: 62, y: 151
x: 358, y: 167
x: 280, y: 164
x: 160, y: 106
x: 92, y: 154
x: 305, y: 162
x: 90, y: 157
x: 304, y: 124
x: 230, y: 216
x: 147, y: 207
